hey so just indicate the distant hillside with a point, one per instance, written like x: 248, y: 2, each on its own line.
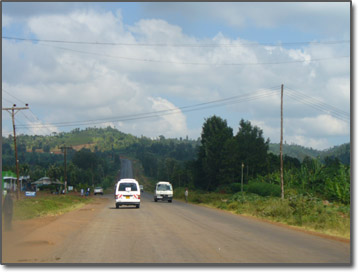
x: 342, y: 152
x: 106, y: 139
x: 96, y: 139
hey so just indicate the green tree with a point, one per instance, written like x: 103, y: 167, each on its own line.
x: 55, y: 172
x: 252, y: 148
x: 215, y: 134
x: 86, y: 160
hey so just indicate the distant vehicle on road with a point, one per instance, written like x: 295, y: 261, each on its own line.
x: 98, y: 190
x: 163, y: 191
x: 141, y: 188
x: 127, y: 192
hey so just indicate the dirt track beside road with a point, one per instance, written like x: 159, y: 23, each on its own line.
x: 30, y: 240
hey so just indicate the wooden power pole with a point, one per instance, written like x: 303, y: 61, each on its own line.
x: 242, y: 179
x: 281, y: 139
x: 64, y: 149
x: 13, y: 110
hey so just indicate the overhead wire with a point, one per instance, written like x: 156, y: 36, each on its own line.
x: 201, y: 106
x: 13, y: 96
x: 176, y: 44
x: 318, y: 101
x: 7, y: 100
x: 142, y: 116
x: 31, y: 121
x: 41, y: 126
x: 193, y: 63
x: 318, y: 106
x: 174, y: 62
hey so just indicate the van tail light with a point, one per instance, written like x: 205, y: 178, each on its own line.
x: 137, y: 196
x: 118, y: 196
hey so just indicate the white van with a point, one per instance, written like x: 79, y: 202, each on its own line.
x: 163, y: 191
x: 127, y: 192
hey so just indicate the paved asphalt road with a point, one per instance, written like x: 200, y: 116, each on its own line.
x: 162, y: 232
x: 126, y: 169
x: 177, y: 232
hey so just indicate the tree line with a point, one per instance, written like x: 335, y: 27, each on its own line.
x: 84, y: 167
x: 214, y: 162
x: 221, y: 158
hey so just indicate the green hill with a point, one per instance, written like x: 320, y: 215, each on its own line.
x: 342, y: 152
x: 106, y: 139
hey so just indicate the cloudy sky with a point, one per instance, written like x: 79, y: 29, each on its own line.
x: 161, y: 68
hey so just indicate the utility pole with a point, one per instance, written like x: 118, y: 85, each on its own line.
x: 281, y: 159
x: 64, y: 149
x: 242, y: 179
x: 13, y: 110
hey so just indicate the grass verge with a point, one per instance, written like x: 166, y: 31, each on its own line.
x: 47, y: 205
x: 304, y: 212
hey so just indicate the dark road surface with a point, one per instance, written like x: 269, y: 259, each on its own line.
x: 126, y: 169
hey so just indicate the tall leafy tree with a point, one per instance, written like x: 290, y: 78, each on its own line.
x: 252, y: 148
x: 215, y: 134
x: 86, y: 160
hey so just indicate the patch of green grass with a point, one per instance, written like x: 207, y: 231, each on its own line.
x: 297, y: 210
x: 200, y: 196
x: 47, y: 205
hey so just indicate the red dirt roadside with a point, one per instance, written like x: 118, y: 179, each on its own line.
x: 30, y: 240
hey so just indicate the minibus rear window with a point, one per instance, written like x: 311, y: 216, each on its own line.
x: 123, y: 186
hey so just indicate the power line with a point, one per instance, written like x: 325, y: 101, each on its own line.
x: 318, y: 107
x: 318, y: 101
x: 176, y: 44
x: 318, y: 104
x: 24, y: 113
x: 7, y: 100
x: 13, y: 96
x: 315, y: 106
x: 193, y: 63
x: 201, y: 106
x: 31, y: 121
x: 153, y: 115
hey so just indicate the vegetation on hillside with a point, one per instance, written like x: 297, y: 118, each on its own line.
x: 317, y: 189
x: 342, y: 152
x: 212, y: 163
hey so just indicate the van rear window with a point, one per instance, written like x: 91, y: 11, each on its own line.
x: 163, y: 187
x: 123, y: 186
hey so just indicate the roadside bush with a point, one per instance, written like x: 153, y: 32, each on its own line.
x: 276, y: 209
x: 235, y: 187
x: 197, y: 198
x: 223, y: 189
x: 303, y: 210
x: 264, y: 189
x: 239, y: 197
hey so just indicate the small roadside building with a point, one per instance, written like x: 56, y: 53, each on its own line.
x: 9, y: 181
x: 46, y: 182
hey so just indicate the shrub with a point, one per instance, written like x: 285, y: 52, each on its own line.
x: 233, y: 206
x: 235, y: 187
x: 223, y: 189
x: 277, y: 209
x: 264, y: 189
x: 197, y: 198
